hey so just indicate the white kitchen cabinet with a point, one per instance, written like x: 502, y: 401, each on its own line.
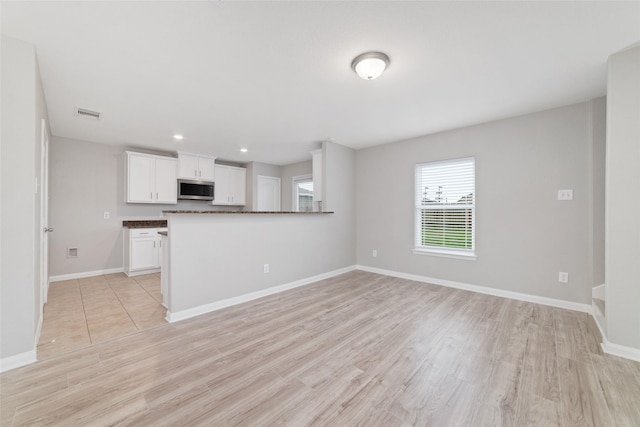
x: 195, y: 166
x: 142, y: 250
x: 150, y: 178
x: 230, y: 185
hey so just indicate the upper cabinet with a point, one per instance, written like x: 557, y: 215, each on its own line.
x: 230, y: 185
x: 150, y: 179
x: 195, y: 166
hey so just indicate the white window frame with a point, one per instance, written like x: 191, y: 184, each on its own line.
x: 448, y: 252
x: 294, y: 189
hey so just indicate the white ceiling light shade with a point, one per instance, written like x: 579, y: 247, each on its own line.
x: 178, y: 137
x: 370, y: 65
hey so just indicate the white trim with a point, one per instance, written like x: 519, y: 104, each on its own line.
x: 39, y: 328
x: 599, y: 292
x: 569, y: 305
x: 61, y: 277
x: 620, y: 350
x: 142, y: 272
x: 469, y: 256
x: 207, y: 308
x: 22, y: 359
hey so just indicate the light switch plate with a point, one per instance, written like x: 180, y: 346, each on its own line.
x: 565, y: 194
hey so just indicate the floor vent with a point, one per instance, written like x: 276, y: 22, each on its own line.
x: 87, y: 114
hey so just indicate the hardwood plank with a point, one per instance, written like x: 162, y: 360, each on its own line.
x: 356, y: 349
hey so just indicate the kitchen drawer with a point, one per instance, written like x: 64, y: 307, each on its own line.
x: 143, y: 232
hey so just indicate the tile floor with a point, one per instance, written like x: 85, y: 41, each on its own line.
x: 87, y: 311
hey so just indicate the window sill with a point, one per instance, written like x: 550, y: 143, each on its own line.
x: 446, y: 254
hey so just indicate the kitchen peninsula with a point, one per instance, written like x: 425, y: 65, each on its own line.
x: 214, y: 259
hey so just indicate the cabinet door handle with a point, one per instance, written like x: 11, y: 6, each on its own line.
x: 195, y: 172
x: 151, y: 196
x: 156, y: 196
x: 199, y: 173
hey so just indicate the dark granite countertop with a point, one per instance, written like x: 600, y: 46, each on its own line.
x: 244, y: 213
x: 156, y: 223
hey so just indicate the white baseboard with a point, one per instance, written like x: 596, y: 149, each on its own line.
x: 84, y: 274
x: 142, y: 272
x: 570, y: 305
x: 22, y: 359
x: 620, y: 350
x: 207, y: 308
x: 616, y: 349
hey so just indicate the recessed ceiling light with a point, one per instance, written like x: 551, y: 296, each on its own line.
x: 178, y: 137
x: 243, y: 150
x: 370, y: 65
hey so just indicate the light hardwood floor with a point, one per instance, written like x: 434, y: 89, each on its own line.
x: 357, y: 349
x: 87, y: 311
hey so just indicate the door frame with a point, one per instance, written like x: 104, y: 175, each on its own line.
x: 44, y: 213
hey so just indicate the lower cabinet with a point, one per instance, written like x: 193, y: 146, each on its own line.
x: 142, y: 250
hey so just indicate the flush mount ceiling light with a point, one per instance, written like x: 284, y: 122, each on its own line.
x: 370, y: 65
x: 178, y: 137
x: 243, y: 150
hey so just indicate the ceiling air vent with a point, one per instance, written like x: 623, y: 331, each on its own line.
x: 87, y: 114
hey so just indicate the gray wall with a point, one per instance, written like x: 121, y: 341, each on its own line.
x: 623, y: 203
x: 219, y: 257
x: 524, y: 235
x: 23, y: 108
x: 288, y: 172
x: 598, y: 130
x: 86, y: 180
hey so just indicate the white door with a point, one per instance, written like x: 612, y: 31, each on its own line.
x: 268, y: 193
x: 44, y: 214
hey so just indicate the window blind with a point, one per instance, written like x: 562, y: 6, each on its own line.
x: 445, y: 205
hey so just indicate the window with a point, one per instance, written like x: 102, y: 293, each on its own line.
x: 303, y: 193
x: 445, y: 207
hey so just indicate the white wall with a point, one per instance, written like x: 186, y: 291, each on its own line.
x: 215, y: 257
x: 23, y: 107
x: 622, y: 200
x: 524, y: 236
x: 288, y: 172
x: 86, y: 180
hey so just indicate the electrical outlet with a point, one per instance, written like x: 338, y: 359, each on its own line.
x: 374, y: 253
x: 563, y: 277
x: 107, y: 215
x: 565, y: 195
x: 266, y: 268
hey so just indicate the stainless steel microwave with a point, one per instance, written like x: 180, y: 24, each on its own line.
x: 189, y: 189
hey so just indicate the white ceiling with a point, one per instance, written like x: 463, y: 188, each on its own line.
x: 275, y: 77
